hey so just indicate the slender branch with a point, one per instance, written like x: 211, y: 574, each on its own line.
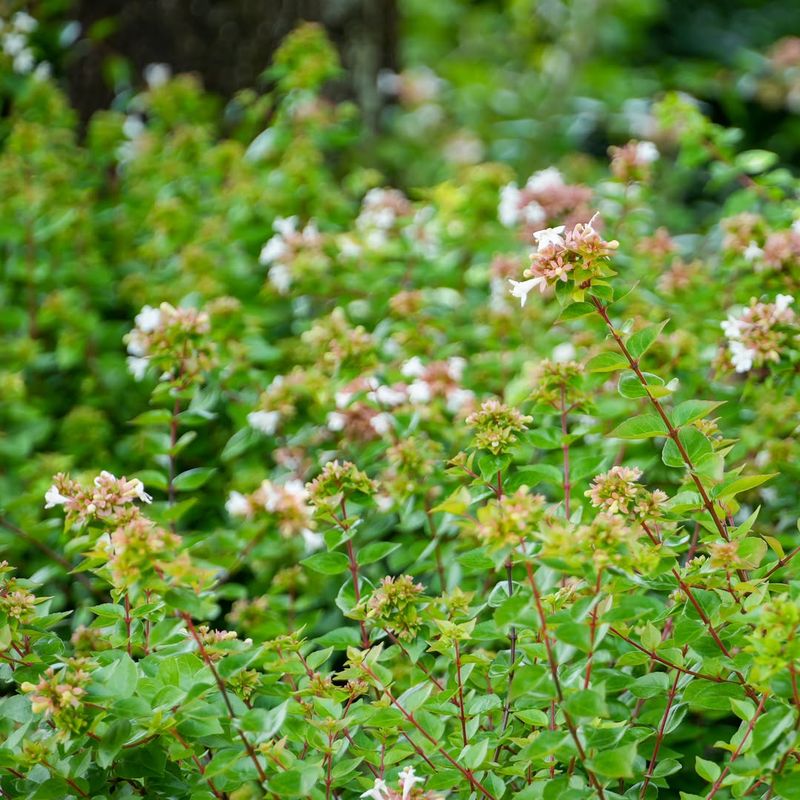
x: 461, y: 712
x: 565, y: 451
x: 512, y: 637
x: 724, y: 774
x: 665, y: 662
x: 662, y: 728
x: 474, y: 782
x: 45, y: 549
x: 672, y: 432
x: 557, y: 682
x: 224, y: 692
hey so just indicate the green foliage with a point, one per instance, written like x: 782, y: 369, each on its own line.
x: 387, y: 532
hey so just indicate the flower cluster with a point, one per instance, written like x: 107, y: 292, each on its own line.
x: 336, y: 481
x: 108, y: 498
x: 15, y: 43
x: 395, y: 605
x: 546, y: 196
x: 507, y: 521
x: 495, y: 425
x: 60, y: 695
x: 633, y: 161
x: 382, y: 210
x: 579, y: 253
x: 558, y: 384
x: 287, y: 505
x: 174, y: 340
x: 131, y: 552
x: 286, y: 245
x: 757, y: 335
x: 619, y: 492
x: 407, y: 779
x: 748, y: 236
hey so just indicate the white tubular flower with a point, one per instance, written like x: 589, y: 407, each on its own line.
x: 563, y: 352
x: 551, y: 237
x: 280, y: 276
x: 752, y: 253
x: 264, y: 421
x: 54, y: 498
x: 273, y: 250
x: 137, y: 367
x: 458, y: 398
x: 156, y: 75
x: 646, y: 153
x: 379, y: 790
x: 408, y: 778
x: 522, y: 289
x: 413, y: 368
x: 313, y: 541
x: 148, y: 319
x: 387, y: 396
x: 336, y: 421
x: 138, y: 490
x: 741, y: 356
x: 533, y: 214
x: 24, y: 22
x: 782, y: 302
x: 381, y: 423
x: 419, y: 392
x: 508, y: 211
x: 237, y: 505
x: 545, y: 180
x: 285, y: 226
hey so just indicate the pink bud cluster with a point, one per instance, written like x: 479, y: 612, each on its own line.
x: 619, y: 492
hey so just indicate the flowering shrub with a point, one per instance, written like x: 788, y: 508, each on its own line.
x: 472, y: 491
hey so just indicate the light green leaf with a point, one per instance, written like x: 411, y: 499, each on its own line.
x: 607, y: 362
x: 645, y: 426
x: 642, y: 341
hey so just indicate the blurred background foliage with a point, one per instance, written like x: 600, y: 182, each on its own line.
x: 486, y: 93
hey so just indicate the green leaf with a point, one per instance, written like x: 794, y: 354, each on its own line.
x: 616, y: 763
x: 576, y: 311
x: 413, y: 698
x: 650, y: 685
x: 473, y: 755
x: 644, y: 426
x: 691, y: 410
x: 156, y: 416
x: 733, y: 485
x: 541, y: 473
x: 755, y: 161
x: 752, y: 552
x: 576, y: 634
x: 630, y: 386
x: 707, y: 770
x: 586, y: 703
x: 152, y: 479
x: 607, y: 362
x: 327, y: 563
x: 239, y: 443
x: 192, y: 479
x: 694, y: 443
x: 111, y: 742
x: 375, y: 552
x: 294, y: 782
x: 642, y: 341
